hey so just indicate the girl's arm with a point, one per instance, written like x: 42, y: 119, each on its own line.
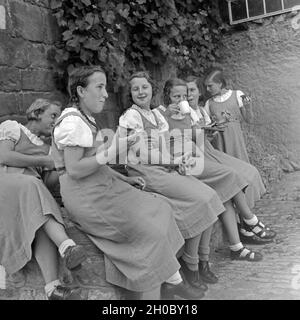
x: 247, y: 113
x: 79, y: 166
x: 154, y: 156
x: 9, y: 157
x: 245, y: 104
x: 160, y: 155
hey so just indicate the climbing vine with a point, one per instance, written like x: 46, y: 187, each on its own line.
x: 124, y: 35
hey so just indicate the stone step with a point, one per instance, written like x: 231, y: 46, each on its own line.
x: 28, y: 283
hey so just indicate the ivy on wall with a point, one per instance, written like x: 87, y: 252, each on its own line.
x: 127, y: 35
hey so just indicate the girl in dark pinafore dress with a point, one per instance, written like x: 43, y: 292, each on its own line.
x: 228, y: 184
x: 255, y: 189
x: 136, y: 230
x: 30, y: 219
x: 227, y: 106
x: 194, y: 202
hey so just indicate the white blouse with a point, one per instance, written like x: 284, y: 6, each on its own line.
x: 195, y: 115
x: 132, y: 119
x: 11, y: 130
x: 225, y: 97
x: 206, y: 117
x: 72, y: 131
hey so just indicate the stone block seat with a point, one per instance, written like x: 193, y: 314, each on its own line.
x: 28, y: 284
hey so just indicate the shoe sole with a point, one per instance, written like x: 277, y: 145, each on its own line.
x: 250, y: 260
x: 257, y: 241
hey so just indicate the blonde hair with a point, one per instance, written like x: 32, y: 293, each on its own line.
x: 38, y: 107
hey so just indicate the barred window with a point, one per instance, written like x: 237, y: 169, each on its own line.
x: 247, y: 10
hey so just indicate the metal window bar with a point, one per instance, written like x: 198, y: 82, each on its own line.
x: 247, y: 9
x: 265, y: 7
x: 265, y: 15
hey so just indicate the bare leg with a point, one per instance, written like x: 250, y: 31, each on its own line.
x: 242, y: 206
x: 151, y: 295
x: 73, y: 254
x: 229, y: 220
x: 55, y: 231
x: 238, y: 251
x: 46, y: 256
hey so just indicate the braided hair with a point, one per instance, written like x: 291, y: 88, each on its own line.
x: 79, y: 77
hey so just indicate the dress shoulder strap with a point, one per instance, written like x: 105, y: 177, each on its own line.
x: 71, y: 113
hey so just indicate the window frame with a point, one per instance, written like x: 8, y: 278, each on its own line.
x: 265, y: 15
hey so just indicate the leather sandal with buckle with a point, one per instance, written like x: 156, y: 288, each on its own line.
x: 248, y: 237
x: 261, y: 231
x: 246, y: 255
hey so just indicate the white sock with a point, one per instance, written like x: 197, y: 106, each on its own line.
x: 236, y: 247
x: 175, y: 278
x: 246, y: 233
x: 49, y: 287
x: 253, y: 221
x: 64, y: 245
x: 2, y: 278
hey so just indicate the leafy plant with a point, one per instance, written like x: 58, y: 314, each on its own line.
x: 125, y: 35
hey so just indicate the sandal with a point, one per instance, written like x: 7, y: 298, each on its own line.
x: 260, y: 230
x: 248, y: 237
x: 245, y: 254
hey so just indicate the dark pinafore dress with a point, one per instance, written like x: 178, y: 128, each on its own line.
x: 195, y: 205
x: 224, y: 180
x: 231, y: 141
x: 136, y: 230
x: 255, y: 189
x: 25, y: 205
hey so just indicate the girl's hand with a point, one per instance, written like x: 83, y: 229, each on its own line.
x: 185, y: 159
x: 48, y: 163
x: 137, y: 182
x: 173, y: 108
x: 123, y: 142
x: 246, y: 101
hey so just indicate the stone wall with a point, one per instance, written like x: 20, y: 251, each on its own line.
x: 264, y: 62
x: 28, y: 31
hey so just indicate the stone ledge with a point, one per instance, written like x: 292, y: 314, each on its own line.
x: 28, y: 284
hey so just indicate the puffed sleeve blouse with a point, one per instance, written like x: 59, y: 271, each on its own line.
x: 73, y: 131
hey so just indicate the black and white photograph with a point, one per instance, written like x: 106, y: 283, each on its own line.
x: 150, y: 152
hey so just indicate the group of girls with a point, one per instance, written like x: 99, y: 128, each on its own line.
x: 154, y: 224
